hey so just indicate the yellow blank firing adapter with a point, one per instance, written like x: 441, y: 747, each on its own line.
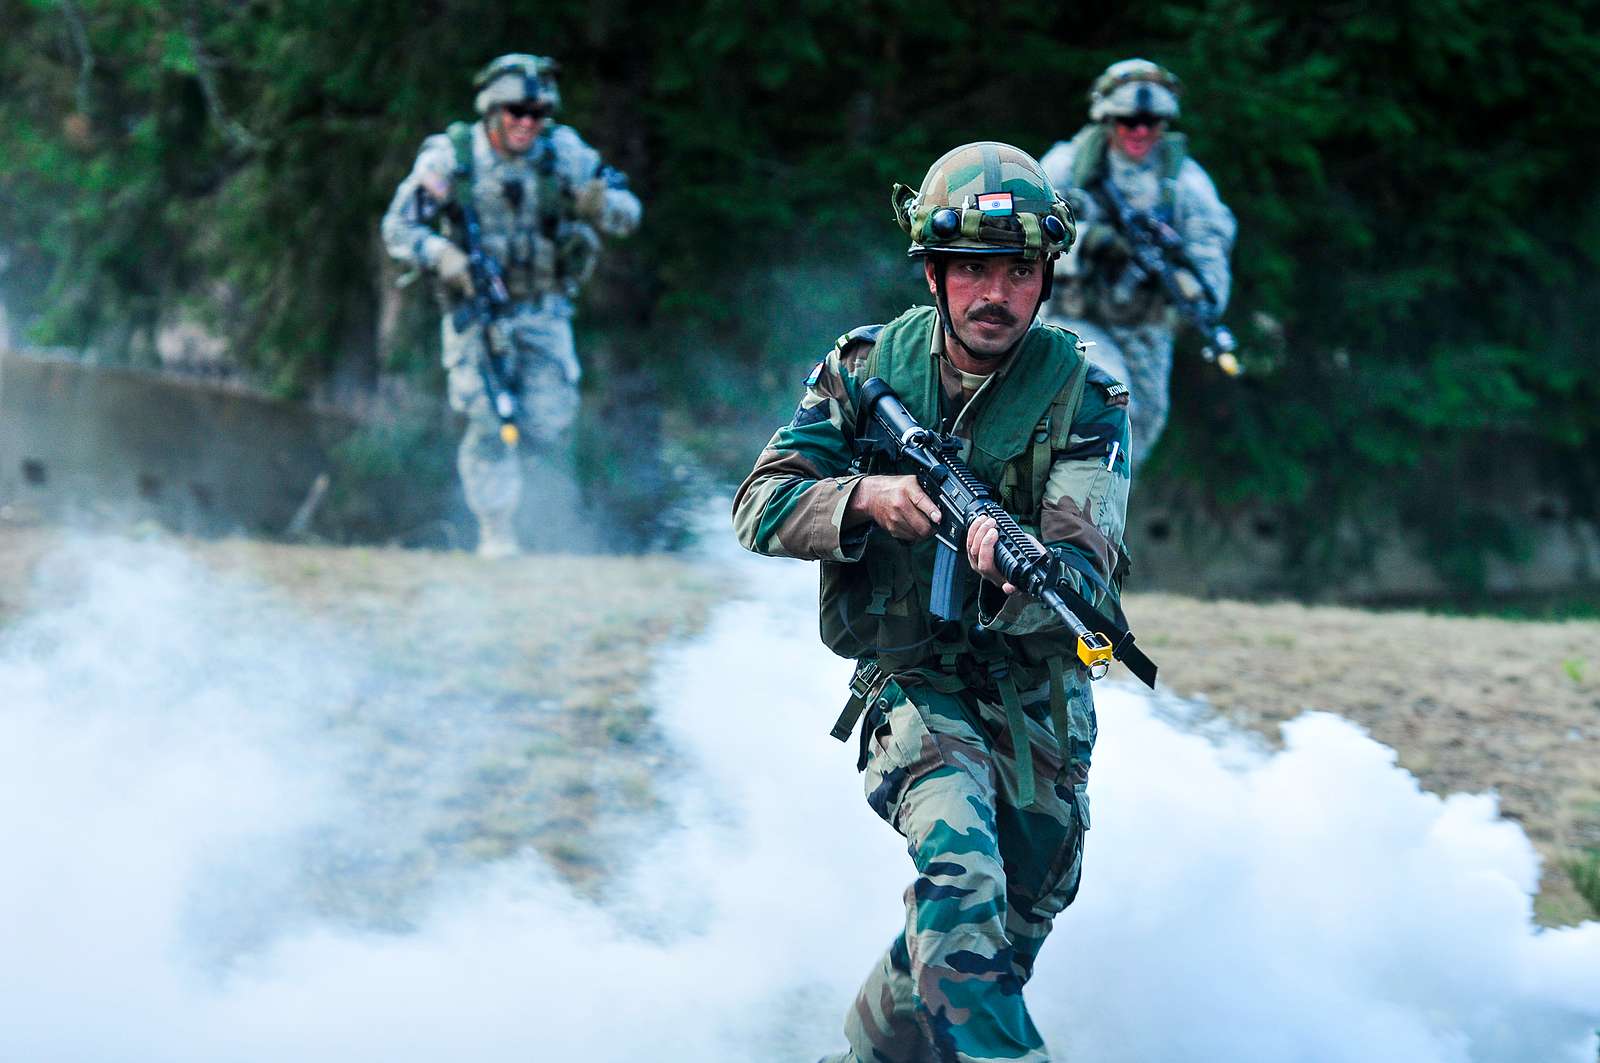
x: 1095, y: 652
x: 509, y: 434
x: 1228, y: 363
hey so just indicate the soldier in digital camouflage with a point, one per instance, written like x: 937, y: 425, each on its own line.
x: 950, y: 710
x: 1127, y: 141
x: 543, y: 199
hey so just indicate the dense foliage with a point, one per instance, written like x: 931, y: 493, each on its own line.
x: 1415, y: 184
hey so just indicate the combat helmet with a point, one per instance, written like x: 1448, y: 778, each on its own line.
x: 517, y: 78
x: 1134, y: 86
x: 984, y: 198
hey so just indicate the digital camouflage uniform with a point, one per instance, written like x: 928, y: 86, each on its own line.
x: 540, y: 213
x: 997, y: 847
x: 1132, y: 339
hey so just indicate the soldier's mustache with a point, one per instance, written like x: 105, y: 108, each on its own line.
x: 998, y: 315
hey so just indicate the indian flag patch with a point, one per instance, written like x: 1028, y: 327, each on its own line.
x: 996, y: 203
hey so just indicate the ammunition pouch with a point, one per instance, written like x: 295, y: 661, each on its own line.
x: 577, y: 251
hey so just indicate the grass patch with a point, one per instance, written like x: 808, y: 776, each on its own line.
x: 1585, y: 874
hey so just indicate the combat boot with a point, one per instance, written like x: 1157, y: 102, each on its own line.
x: 497, y: 539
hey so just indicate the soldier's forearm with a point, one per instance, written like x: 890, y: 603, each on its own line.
x: 791, y: 517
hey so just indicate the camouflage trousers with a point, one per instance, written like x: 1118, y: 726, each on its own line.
x: 1139, y: 355
x: 541, y: 366
x: 991, y: 876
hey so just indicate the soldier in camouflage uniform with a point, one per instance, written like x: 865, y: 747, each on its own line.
x: 1130, y: 332
x: 977, y: 735
x: 542, y: 198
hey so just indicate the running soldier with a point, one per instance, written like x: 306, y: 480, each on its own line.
x: 1130, y: 328
x: 977, y: 733
x: 541, y: 198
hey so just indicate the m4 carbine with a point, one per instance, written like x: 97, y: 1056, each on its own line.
x: 1156, y: 252
x: 487, y: 305
x: 886, y: 426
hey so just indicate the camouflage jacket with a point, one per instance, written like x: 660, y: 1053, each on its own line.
x: 536, y: 241
x: 1197, y: 213
x: 793, y: 502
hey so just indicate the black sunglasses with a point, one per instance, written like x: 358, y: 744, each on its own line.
x: 526, y: 110
x: 1134, y: 121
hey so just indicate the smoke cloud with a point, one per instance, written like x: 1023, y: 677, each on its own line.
x: 181, y: 794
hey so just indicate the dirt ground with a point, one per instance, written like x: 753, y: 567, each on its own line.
x: 1470, y: 704
x: 532, y: 673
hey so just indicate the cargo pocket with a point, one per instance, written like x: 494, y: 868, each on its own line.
x: 1068, y: 874
x: 1042, y: 846
x: 900, y: 750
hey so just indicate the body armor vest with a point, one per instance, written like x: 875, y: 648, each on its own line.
x: 877, y: 607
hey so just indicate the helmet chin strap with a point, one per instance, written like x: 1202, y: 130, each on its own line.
x: 942, y: 300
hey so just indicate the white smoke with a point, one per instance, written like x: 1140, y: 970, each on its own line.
x: 176, y: 766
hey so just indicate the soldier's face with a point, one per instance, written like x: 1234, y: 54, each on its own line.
x: 518, y: 126
x: 1137, y: 135
x: 992, y: 300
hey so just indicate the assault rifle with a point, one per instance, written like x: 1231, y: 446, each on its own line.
x: 489, y: 302
x: 1156, y: 252
x: 886, y: 426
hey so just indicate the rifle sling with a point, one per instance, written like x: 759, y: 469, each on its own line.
x: 1122, y: 647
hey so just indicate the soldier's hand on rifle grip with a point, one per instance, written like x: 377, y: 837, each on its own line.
x: 452, y: 269
x: 897, y: 504
x: 982, y: 535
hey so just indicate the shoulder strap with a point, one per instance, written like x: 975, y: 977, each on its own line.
x: 552, y: 191
x: 460, y: 134
x: 1089, y: 155
x: 900, y: 356
x: 1174, y: 149
x: 1032, y: 466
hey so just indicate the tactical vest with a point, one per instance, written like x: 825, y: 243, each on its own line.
x: 573, y: 246
x: 1089, y: 163
x: 877, y: 608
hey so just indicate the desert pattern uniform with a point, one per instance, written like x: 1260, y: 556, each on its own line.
x: 541, y: 214
x: 1132, y: 339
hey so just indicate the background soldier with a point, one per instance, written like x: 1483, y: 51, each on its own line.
x: 1127, y: 143
x: 540, y: 194
x: 978, y: 733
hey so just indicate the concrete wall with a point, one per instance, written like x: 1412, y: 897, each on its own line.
x: 82, y: 442
x: 1176, y: 550
x: 95, y: 443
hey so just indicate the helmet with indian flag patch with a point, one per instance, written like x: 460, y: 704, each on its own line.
x: 985, y: 198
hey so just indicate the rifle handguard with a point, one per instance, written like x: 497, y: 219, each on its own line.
x: 884, y: 420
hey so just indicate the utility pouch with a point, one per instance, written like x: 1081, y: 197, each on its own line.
x: 577, y: 251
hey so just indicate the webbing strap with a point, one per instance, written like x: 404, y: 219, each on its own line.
x: 1058, y: 709
x: 1021, y: 747
x: 864, y: 686
x: 460, y: 134
x: 1031, y: 233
